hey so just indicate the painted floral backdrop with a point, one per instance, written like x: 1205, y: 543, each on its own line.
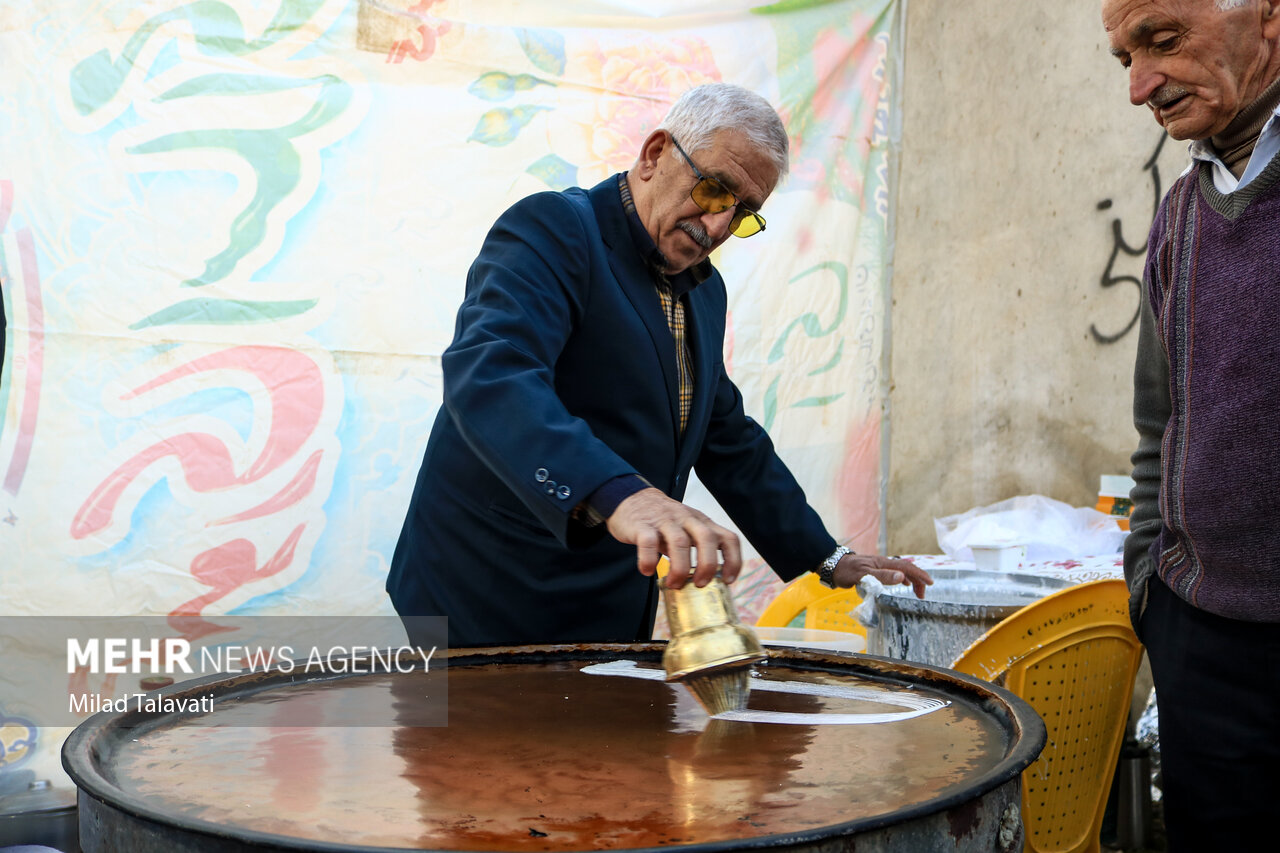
x: 233, y: 235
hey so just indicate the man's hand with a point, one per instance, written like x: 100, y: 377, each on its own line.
x: 657, y: 525
x: 890, y: 571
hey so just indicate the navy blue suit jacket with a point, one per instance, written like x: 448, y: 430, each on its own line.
x: 561, y: 376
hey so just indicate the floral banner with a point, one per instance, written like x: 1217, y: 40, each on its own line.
x: 233, y: 236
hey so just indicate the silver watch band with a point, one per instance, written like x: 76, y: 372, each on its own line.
x: 826, y: 571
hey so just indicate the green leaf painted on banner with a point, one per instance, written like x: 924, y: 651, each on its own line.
x: 493, y: 86
x: 525, y: 82
x: 498, y: 86
x: 812, y: 402
x: 784, y: 6
x: 555, y: 172
x: 771, y: 403
x: 216, y: 27
x: 239, y: 84
x: 833, y: 363
x: 545, y: 49
x: 224, y: 312
x: 810, y: 322
x: 501, y: 125
x: 277, y: 163
x: 812, y: 328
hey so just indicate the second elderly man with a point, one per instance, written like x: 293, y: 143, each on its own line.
x: 1203, y: 557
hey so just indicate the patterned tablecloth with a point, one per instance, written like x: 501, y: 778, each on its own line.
x: 1080, y: 571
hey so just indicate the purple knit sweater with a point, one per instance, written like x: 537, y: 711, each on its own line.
x: 1213, y: 278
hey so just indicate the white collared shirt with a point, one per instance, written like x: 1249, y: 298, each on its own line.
x: 1266, y: 147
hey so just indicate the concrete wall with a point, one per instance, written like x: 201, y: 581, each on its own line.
x: 1021, y: 156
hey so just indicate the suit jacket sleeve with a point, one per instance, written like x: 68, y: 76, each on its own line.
x: 525, y: 292
x: 739, y: 466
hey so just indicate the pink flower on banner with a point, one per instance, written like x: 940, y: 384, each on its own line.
x: 859, y: 485
x: 838, y: 121
x: 627, y: 92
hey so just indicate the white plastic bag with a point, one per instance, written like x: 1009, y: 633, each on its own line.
x: 1050, y: 530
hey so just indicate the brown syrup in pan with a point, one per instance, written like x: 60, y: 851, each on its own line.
x: 545, y: 757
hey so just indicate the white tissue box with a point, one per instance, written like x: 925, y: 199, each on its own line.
x: 998, y: 558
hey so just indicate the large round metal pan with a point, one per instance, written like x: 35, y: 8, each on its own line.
x: 566, y: 748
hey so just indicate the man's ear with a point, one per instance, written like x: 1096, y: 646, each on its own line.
x: 1271, y: 19
x: 655, y: 145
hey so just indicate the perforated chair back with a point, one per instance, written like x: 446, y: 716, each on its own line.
x: 1073, y: 656
x: 834, y: 612
x: 792, y: 601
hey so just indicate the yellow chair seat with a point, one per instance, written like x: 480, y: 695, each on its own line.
x: 792, y: 601
x: 834, y: 612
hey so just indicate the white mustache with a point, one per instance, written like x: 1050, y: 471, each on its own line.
x: 1165, y: 96
x: 699, y: 235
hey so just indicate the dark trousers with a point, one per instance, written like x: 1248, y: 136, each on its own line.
x: 1217, y: 685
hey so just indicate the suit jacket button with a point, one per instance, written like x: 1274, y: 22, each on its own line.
x: 563, y: 493
x: 550, y: 487
x: 541, y: 475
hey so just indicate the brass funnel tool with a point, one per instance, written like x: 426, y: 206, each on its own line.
x: 710, y: 651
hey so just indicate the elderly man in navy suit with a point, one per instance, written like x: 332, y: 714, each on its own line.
x: 585, y: 380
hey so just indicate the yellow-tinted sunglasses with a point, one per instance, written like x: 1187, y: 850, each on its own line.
x: 714, y: 197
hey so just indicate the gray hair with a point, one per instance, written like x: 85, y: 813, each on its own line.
x: 705, y: 110
x: 1228, y: 5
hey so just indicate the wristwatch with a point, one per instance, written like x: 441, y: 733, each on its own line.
x: 826, y: 571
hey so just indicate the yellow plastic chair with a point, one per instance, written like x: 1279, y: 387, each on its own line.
x: 833, y: 612
x: 1073, y: 656
x: 792, y: 601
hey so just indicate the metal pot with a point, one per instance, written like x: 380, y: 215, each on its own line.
x: 541, y: 753
x: 36, y: 812
x: 959, y: 608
